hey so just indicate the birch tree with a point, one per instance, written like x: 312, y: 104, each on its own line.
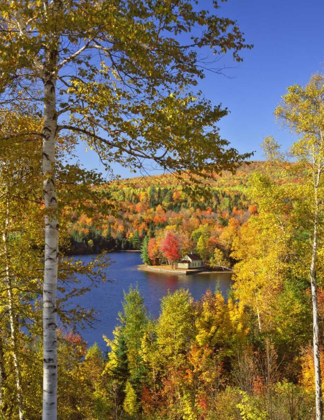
x: 302, y: 110
x: 21, y: 242
x: 18, y: 169
x: 120, y: 75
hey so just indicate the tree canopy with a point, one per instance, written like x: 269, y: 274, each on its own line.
x: 124, y: 75
x: 120, y: 76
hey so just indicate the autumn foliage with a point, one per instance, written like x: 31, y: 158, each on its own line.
x: 170, y: 247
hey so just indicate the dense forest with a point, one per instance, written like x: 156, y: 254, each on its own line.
x: 150, y: 207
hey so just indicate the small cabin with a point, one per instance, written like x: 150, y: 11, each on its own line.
x: 191, y: 261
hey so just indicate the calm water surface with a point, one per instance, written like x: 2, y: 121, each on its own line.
x: 107, y: 299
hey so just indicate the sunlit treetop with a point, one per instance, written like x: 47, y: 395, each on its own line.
x: 124, y: 74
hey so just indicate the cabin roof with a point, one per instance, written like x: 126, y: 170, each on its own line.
x: 194, y: 257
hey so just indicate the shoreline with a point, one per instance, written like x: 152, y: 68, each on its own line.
x: 128, y: 250
x: 81, y: 254
x: 179, y: 271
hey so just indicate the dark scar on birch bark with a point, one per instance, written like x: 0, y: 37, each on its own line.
x: 47, y: 132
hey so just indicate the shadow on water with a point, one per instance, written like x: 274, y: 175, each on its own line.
x: 107, y: 299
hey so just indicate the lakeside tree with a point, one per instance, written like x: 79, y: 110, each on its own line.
x: 21, y: 246
x: 18, y: 261
x: 302, y: 110
x: 116, y: 75
x: 144, y: 251
x: 153, y: 250
x: 171, y: 247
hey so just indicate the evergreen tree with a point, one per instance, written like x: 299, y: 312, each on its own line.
x: 159, y: 196
x: 144, y: 251
x: 134, y: 321
x: 136, y: 242
x: 152, y: 196
x: 117, y: 366
x: 125, y: 363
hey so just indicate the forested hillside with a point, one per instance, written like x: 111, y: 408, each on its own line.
x: 151, y: 206
x: 141, y: 211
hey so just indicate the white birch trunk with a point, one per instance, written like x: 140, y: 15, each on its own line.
x: 258, y: 313
x: 12, y: 324
x: 316, y: 348
x: 2, y: 378
x: 51, y: 241
x: 257, y: 308
x: 13, y: 338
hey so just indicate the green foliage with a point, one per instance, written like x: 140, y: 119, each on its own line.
x: 125, y: 367
x: 292, y: 317
x: 144, y: 251
x: 153, y: 84
x: 136, y: 243
x: 202, y: 247
x: 250, y: 410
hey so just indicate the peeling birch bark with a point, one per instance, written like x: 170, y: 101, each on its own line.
x: 51, y: 242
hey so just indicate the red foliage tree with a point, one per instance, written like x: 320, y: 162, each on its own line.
x: 171, y: 247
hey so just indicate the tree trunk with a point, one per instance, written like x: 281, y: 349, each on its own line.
x: 257, y: 307
x: 51, y: 241
x: 317, y: 365
x: 13, y: 339
x: 258, y: 312
x: 3, y: 378
x: 12, y: 324
x: 317, y: 362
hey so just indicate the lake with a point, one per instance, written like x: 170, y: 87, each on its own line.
x: 107, y: 299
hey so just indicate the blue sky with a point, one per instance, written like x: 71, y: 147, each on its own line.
x: 288, y: 38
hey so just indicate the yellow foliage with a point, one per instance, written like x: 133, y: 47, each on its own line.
x: 308, y: 372
x: 130, y: 402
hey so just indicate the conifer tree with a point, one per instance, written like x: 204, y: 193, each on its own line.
x: 136, y: 242
x: 144, y: 251
x: 125, y: 365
